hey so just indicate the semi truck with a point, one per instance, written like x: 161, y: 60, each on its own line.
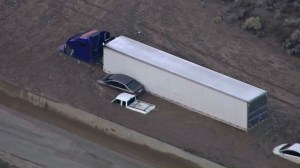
x: 86, y: 46
x: 185, y: 83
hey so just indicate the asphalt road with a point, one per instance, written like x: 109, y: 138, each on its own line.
x: 49, y: 146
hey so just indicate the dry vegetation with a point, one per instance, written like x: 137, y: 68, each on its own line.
x: 274, y: 18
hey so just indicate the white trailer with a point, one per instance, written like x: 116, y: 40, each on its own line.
x: 187, y: 84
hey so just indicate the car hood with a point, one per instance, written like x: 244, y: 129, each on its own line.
x: 276, y: 150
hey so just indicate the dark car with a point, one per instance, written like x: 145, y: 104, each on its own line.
x: 123, y: 83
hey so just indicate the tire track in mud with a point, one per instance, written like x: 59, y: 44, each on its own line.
x: 103, y: 8
x: 73, y: 9
x: 86, y: 2
x: 94, y: 5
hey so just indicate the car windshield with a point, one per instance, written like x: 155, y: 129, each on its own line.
x: 133, y: 84
x: 286, y: 146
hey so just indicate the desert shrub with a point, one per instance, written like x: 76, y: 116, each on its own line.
x: 292, y: 44
x: 217, y: 19
x: 252, y: 23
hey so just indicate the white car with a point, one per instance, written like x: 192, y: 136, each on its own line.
x: 129, y: 101
x: 288, y: 151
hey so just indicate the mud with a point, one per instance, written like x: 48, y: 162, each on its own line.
x: 31, y: 30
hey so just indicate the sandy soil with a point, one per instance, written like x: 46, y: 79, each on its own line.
x: 31, y: 30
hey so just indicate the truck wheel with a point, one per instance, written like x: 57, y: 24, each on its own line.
x: 69, y: 51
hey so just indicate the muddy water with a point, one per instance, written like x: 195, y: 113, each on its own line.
x: 139, y: 152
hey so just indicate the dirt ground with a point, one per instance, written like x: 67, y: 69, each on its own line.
x: 31, y: 30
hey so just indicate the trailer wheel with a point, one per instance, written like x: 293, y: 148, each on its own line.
x: 69, y: 51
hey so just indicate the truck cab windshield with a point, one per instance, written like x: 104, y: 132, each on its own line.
x: 130, y: 101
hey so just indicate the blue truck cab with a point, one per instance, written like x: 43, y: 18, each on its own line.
x: 87, y: 46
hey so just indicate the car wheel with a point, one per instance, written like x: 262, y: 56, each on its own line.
x: 69, y: 51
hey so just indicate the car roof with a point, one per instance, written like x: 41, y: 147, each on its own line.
x: 125, y: 96
x: 120, y: 78
x: 294, y: 147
